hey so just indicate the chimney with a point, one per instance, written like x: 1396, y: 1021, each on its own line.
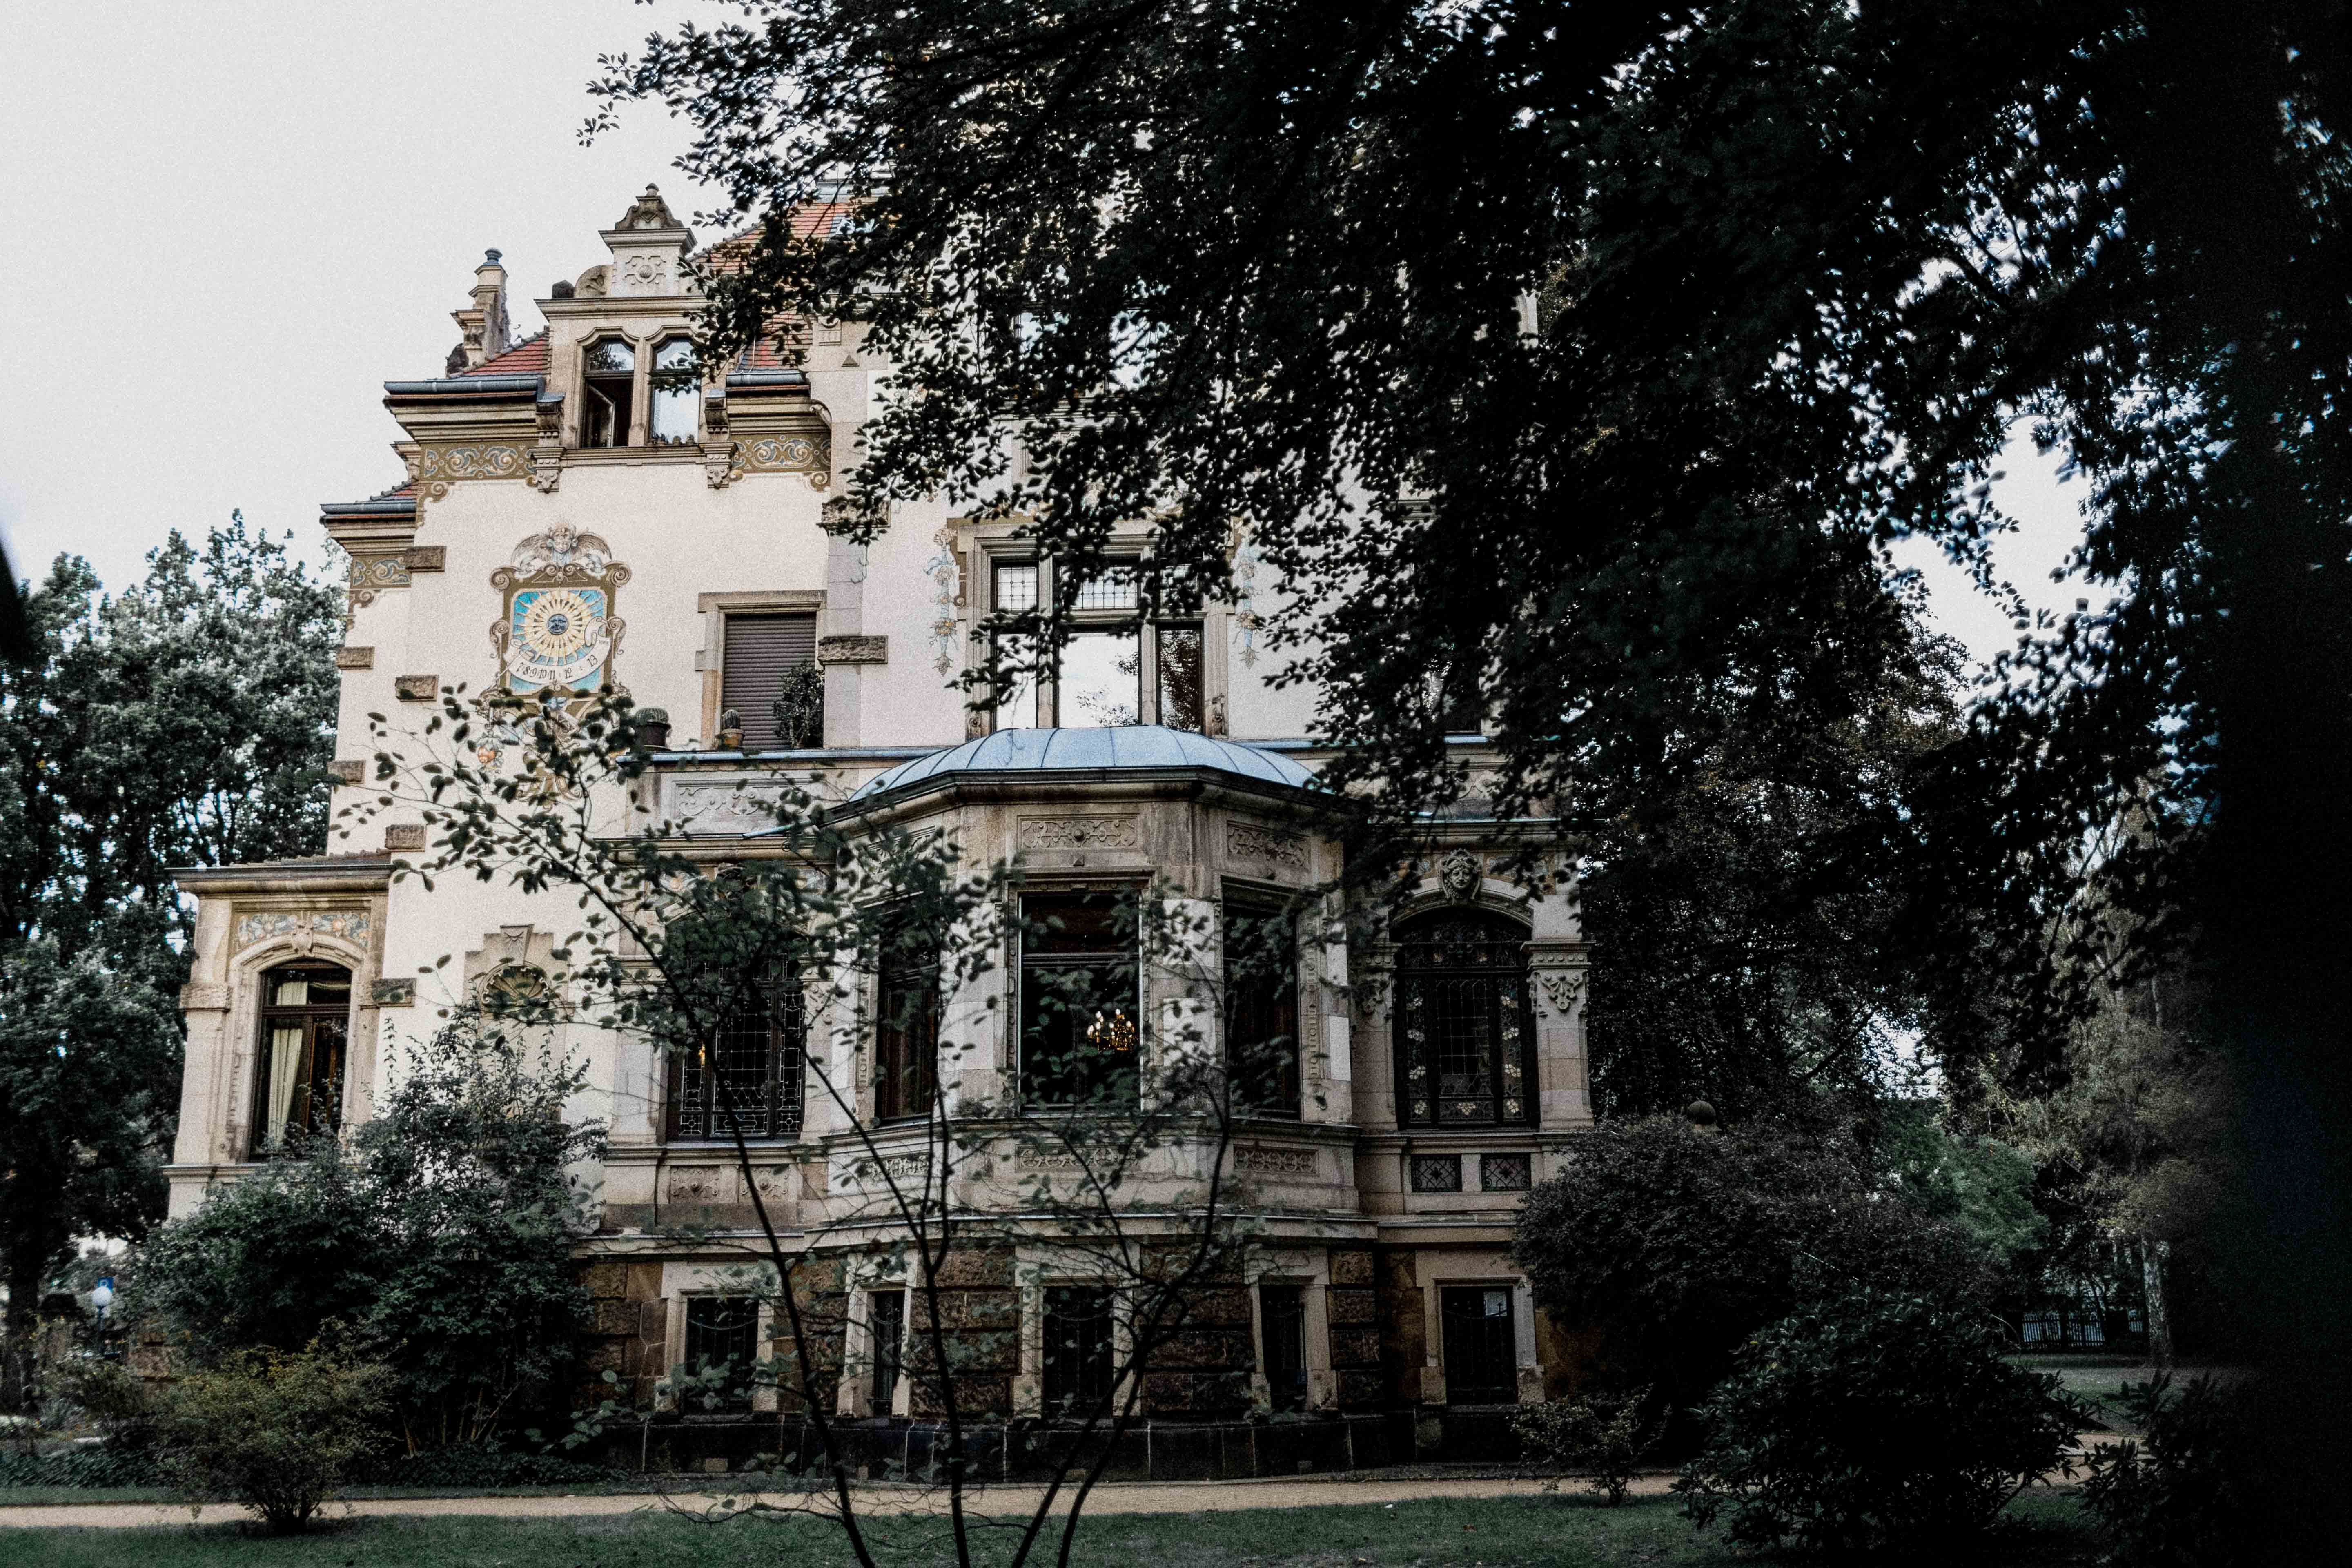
x: 485, y: 324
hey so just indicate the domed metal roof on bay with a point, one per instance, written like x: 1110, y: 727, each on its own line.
x: 1131, y: 748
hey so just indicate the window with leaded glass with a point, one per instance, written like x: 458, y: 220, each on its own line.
x: 747, y: 1078
x: 1080, y: 1000
x: 297, y: 1086
x: 1117, y: 663
x: 1464, y: 1028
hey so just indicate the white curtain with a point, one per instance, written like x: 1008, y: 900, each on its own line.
x: 285, y: 1072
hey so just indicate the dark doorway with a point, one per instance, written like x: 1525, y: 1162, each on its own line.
x: 1481, y: 1348
x: 1282, y: 1318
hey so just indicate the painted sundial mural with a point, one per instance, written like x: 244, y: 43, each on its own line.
x: 558, y: 632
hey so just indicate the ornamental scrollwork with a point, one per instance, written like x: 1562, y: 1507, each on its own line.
x: 434, y: 468
x: 349, y: 925
x: 1247, y: 841
x: 1080, y: 833
x: 809, y: 454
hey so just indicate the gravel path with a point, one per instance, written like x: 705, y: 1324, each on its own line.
x: 1158, y: 1496
x: 1114, y: 1496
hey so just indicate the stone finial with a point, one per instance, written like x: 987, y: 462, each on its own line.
x: 650, y: 248
x: 648, y: 211
x: 484, y: 323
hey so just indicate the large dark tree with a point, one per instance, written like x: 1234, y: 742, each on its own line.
x: 185, y: 721
x: 1256, y: 268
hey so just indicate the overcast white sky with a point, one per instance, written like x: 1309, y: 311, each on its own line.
x: 237, y: 218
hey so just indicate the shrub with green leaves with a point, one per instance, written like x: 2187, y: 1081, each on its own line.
x: 443, y: 1237
x: 277, y: 1431
x: 1874, y: 1421
x: 1601, y: 1436
x: 2184, y: 1495
x: 1678, y: 1247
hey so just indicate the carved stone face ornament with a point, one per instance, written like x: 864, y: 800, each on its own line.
x: 1458, y: 874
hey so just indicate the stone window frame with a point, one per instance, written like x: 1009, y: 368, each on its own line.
x: 682, y: 1281
x: 854, y: 1393
x: 710, y: 662
x: 242, y: 1038
x: 644, y: 341
x: 1049, y: 886
x: 1310, y: 1269
x: 1437, y: 1273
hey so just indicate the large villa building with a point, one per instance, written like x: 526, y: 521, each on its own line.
x: 571, y: 521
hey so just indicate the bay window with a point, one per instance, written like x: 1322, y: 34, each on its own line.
x: 1080, y: 1000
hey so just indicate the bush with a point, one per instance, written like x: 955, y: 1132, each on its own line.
x: 100, y: 1465
x: 1678, y: 1248
x: 444, y: 1239
x: 1875, y: 1420
x: 277, y: 1431
x: 474, y: 1469
x: 1599, y: 1435
x: 2185, y: 1493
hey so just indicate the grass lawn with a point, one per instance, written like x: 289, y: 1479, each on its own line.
x: 2041, y: 1529
x: 2099, y: 1382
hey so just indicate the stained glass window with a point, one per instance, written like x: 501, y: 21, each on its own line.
x: 1462, y: 1023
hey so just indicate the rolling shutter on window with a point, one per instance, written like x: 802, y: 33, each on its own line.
x: 760, y: 649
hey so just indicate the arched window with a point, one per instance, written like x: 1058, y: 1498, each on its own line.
x: 1463, y: 1027
x: 748, y: 1078
x: 609, y: 394
x: 298, y: 1080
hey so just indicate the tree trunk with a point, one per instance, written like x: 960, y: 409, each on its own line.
x: 2152, y: 1257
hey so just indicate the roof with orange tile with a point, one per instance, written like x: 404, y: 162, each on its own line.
x: 527, y: 357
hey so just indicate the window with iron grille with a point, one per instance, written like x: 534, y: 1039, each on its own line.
x: 1078, y: 1356
x: 722, y: 1337
x: 1464, y: 1024
x: 1481, y: 1346
x: 1506, y: 1173
x: 1437, y: 1172
x: 748, y: 1078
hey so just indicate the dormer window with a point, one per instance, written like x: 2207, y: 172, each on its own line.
x: 674, y: 391
x: 611, y: 389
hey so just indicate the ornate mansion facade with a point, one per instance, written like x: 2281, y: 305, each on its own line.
x: 571, y: 520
